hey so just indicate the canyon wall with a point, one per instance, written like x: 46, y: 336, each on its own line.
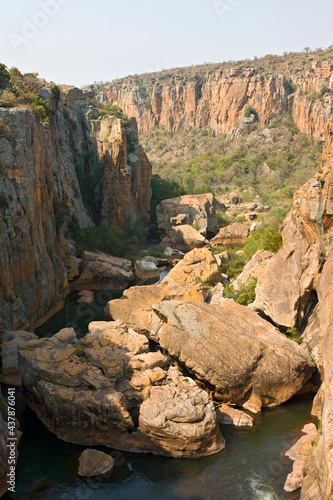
x: 217, y: 98
x: 77, y: 164
x: 295, y: 289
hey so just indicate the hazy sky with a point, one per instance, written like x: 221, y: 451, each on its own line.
x: 82, y: 41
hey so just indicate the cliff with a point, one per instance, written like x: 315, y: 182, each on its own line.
x: 215, y: 96
x: 295, y: 289
x: 78, y: 163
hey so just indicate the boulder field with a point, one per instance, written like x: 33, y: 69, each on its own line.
x: 109, y: 389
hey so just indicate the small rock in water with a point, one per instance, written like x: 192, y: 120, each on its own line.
x: 95, y: 463
x: 130, y: 467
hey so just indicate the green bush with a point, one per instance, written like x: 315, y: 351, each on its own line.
x: 4, y: 76
x: 265, y: 238
x: 56, y: 92
x: 119, y: 241
x: 235, y: 264
x: 246, y: 294
x: 294, y: 335
x: 161, y: 145
x: 163, y: 189
x: 250, y: 111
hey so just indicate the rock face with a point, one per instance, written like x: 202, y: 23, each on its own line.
x: 296, y: 288
x: 243, y: 356
x: 47, y: 171
x: 188, y: 280
x: 231, y: 236
x: 227, y: 415
x: 108, y: 389
x: 104, y: 272
x: 194, y: 210
x: 237, y: 352
x: 253, y: 268
x: 216, y: 97
x: 95, y: 463
x: 10, y: 341
x: 187, y: 238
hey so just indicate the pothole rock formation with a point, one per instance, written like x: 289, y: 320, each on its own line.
x: 108, y: 389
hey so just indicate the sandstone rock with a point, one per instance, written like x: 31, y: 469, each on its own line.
x: 146, y: 270
x: 227, y: 415
x: 104, y: 272
x: 10, y: 341
x: 194, y: 210
x: 231, y: 236
x: 233, y: 349
x: 188, y: 280
x: 86, y: 297
x: 95, y: 463
x: 299, y: 454
x: 253, y: 268
x: 73, y: 266
x: 108, y: 389
x: 33, y: 281
x: 187, y: 238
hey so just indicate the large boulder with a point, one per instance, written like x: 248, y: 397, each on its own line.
x: 190, y: 279
x: 195, y: 210
x: 102, y: 271
x: 234, y: 350
x: 231, y: 236
x: 253, y: 268
x: 187, y: 238
x: 108, y: 389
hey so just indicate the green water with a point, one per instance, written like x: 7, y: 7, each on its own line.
x: 252, y: 467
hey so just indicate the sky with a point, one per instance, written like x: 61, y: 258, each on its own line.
x: 79, y: 42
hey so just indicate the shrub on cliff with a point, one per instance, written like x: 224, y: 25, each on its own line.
x: 250, y: 111
x: 265, y: 238
x: 163, y: 189
x: 4, y: 76
x: 246, y: 294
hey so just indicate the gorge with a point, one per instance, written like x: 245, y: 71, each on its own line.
x: 172, y: 352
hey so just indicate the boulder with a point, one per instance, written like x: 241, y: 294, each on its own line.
x: 146, y: 270
x: 227, y: 415
x: 299, y: 453
x: 238, y: 353
x: 187, y: 238
x: 109, y: 389
x: 231, y: 236
x: 10, y: 341
x: 190, y: 279
x: 253, y: 268
x: 86, y: 297
x: 73, y: 266
x: 194, y: 210
x: 94, y: 463
x: 104, y: 272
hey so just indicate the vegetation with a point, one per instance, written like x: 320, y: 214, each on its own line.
x: 265, y: 238
x: 246, y: 295
x: 125, y: 241
x: 162, y: 189
x: 23, y: 91
x: 294, y: 334
x: 250, y: 111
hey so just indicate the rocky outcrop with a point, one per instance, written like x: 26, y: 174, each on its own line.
x: 10, y: 342
x: 104, y: 272
x: 194, y: 210
x: 191, y: 279
x: 227, y: 415
x: 231, y: 236
x: 109, y: 389
x: 253, y: 268
x: 216, y: 96
x: 187, y: 238
x: 235, y: 351
x: 77, y: 164
x: 296, y: 289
